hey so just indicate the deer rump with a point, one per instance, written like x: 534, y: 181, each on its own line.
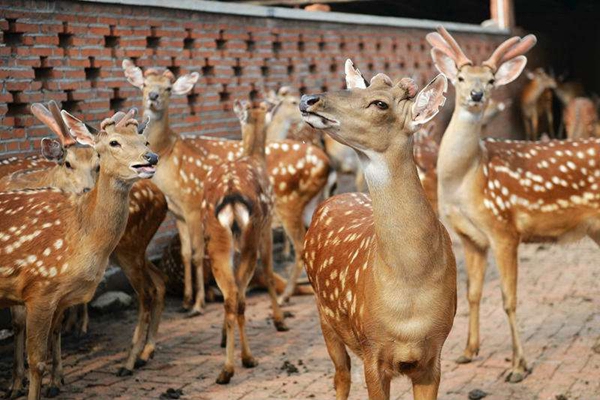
x: 234, y: 212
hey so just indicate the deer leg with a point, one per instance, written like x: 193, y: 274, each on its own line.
x: 197, y: 244
x: 427, y: 382
x: 159, y: 290
x: 341, y: 361
x: 17, y: 387
x: 550, y: 118
x: 57, y: 374
x: 294, y: 227
x: 534, y: 126
x: 222, y: 265
x: 85, y: 319
x: 475, y: 259
x: 39, y: 324
x: 506, y: 258
x: 186, y: 259
x: 287, y: 247
x: 595, y: 236
x: 266, y: 255
x: 244, y: 273
x: 378, y: 383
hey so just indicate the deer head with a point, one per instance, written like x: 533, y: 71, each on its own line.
x: 393, y: 110
x: 77, y: 166
x: 474, y: 83
x: 542, y: 79
x: 156, y: 87
x: 122, y: 148
x: 252, y: 120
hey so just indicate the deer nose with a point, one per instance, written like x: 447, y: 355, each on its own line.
x: 153, y: 96
x: 308, y: 100
x: 85, y: 190
x: 476, y: 95
x: 151, y: 158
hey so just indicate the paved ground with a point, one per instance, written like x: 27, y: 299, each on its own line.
x: 559, y: 311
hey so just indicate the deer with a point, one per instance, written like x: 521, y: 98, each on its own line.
x: 298, y: 172
x: 497, y: 194
x: 580, y: 118
x: 381, y: 266
x: 238, y: 207
x: 56, y: 245
x: 536, y: 102
x: 76, y: 171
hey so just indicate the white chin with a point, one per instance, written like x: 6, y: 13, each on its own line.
x: 319, y: 122
x: 145, y: 175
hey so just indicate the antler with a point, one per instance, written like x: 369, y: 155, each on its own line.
x: 511, y: 48
x: 445, y: 43
x: 64, y: 136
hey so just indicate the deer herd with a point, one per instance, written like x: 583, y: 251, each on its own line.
x: 381, y: 266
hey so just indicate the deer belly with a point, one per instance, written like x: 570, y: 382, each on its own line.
x: 464, y: 225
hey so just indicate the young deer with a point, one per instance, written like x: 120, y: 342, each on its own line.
x: 238, y: 207
x: 536, y: 101
x: 56, y: 245
x: 298, y: 173
x: 497, y: 194
x: 581, y: 119
x: 382, y: 267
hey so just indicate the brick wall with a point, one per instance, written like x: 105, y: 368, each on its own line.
x: 71, y: 52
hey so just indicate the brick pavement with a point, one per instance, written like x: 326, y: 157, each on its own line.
x: 559, y: 316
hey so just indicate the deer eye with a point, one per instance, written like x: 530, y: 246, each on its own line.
x: 114, y: 143
x: 68, y: 165
x: 379, y: 104
x: 492, y: 81
x: 461, y: 79
x: 98, y: 168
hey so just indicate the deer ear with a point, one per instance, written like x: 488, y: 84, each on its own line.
x: 444, y: 64
x: 429, y: 100
x: 52, y: 150
x: 133, y: 74
x: 185, y: 83
x: 78, y: 129
x: 354, y: 79
x: 241, y: 110
x: 510, y: 70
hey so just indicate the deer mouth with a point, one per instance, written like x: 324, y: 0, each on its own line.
x: 144, y: 170
x: 319, y: 121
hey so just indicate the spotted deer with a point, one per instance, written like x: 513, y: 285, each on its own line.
x: 238, y: 207
x: 56, y: 245
x: 297, y: 171
x: 536, y: 102
x: 580, y: 118
x: 497, y: 194
x: 381, y: 266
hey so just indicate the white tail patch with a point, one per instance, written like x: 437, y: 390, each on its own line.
x: 234, y: 213
x: 242, y: 216
x: 226, y: 216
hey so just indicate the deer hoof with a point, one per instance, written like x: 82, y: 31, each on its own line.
x: 515, y: 377
x: 281, y: 326
x: 52, y: 391
x: 124, y: 372
x: 463, y: 360
x: 139, y: 363
x: 224, y: 377
x: 249, y: 362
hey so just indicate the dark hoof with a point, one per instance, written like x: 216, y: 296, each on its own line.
x: 281, y: 326
x: 223, y: 341
x: 224, y: 377
x: 171, y: 394
x: 463, y: 360
x: 52, y: 391
x: 288, y: 314
x: 516, y: 377
x: 124, y: 372
x: 477, y: 394
x: 249, y: 362
x: 139, y: 363
x: 194, y: 313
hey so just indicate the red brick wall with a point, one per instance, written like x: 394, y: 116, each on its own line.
x: 71, y: 52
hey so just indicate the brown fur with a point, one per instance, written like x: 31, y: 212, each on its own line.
x: 536, y: 102
x: 581, y: 119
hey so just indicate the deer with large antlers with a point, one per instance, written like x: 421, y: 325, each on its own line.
x: 382, y: 267
x: 496, y: 194
x: 238, y: 204
x: 536, y: 102
x: 56, y: 245
x: 298, y: 173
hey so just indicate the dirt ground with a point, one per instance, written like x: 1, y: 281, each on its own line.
x: 559, y: 317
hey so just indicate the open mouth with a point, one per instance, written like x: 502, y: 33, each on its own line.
x: 154, y: 105
x: 318, y: 121
x: 144, y: 170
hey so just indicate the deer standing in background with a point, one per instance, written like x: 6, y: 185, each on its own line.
x: 497, y: 194
x: 382, y: 267
x: 568, y: 90
x: 297, y: 171
x: 238, y: 207
x: 536, y: 102
x: 56, y: 245
x: 580, y: 118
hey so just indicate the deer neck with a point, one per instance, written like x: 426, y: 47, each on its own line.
x: 460, y: 150
x: 159, y: 133
x: 104, y: 212
x: 403, y: 218
x: 253, y: 141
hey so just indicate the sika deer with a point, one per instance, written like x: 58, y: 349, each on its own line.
x: 382, y: 267
x: 238, y: 207
x: 298, y: 173
x: 581, y: 119
x: 57, y: 245
x: 496, y: 194
x: 536, y: 101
